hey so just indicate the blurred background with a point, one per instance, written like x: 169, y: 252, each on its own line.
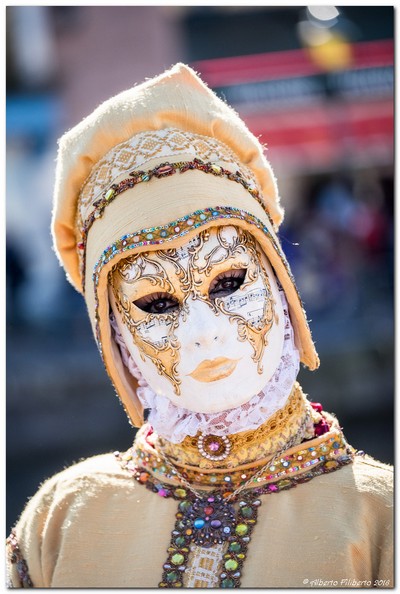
x: 316, y: 85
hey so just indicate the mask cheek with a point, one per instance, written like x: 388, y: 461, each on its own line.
x: 153, y: 338
x: 253, y: 310
x: 158, y: 345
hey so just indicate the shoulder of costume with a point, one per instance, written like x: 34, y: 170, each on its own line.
x: 372, y: 476
x: 89, y: 474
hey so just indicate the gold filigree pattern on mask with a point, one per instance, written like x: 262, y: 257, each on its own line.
x: 164, y: 353
x: 243, y: 250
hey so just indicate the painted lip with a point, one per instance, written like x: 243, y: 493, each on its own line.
x: 212, y: 371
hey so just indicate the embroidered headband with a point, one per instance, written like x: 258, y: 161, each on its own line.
x: 160, y: 171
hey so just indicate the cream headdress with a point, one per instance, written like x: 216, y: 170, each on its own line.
x: 153, y: 164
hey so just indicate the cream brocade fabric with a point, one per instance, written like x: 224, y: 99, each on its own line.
x: 93, y: 526
x: 205, y: 567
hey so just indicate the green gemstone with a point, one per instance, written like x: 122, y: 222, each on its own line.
x: 235, y: 547
x: 109, y: 194
x: 227, y: 583
x: 247, y: 512
x: 180, y: 541
x: 241, y: 529
x: 172, y: 576
x: 231, y: 565
x: 284, y: 483
x: 177, y: 559
x: 185, y: 505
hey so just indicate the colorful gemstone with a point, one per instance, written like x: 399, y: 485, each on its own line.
x: 241, y: 529
x: 235, y: 547
x: 227, y: 583
x: 136, y: 238
x: 109, y: 194
x: 208, y: 510
x: 180, y: 541
x: 163, y: 233
x: 231, y: 565
x: 177, y: 559
x: 247, y: 512
x: 215, y: 524
x: 172, y: 576
x: 164, y: 170
x: 181, y: 493
x: 199, y: 523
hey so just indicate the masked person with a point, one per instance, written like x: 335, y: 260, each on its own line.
x: 166, y: 213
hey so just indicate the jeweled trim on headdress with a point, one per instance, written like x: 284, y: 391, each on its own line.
x: 179, y: 228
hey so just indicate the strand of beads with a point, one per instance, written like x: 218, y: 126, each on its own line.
x: 237, y: 549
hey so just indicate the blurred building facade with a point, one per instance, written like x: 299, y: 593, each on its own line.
x: 317, y: 87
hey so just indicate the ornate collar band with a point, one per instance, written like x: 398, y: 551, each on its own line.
x: 306, y: 436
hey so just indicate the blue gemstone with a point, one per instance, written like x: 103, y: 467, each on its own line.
x: 149, y: 236
x: 199, y: 523
x: 163, y: 233
x: 215, y: 213
x: 203, y: 216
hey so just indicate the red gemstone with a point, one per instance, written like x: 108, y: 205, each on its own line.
x: 208, y: 510
x: 80, y: 245
x: 164, y: 169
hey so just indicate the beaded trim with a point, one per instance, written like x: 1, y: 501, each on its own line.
x: 179, y: 228
x: 15, y: 557
x: 142, y: 465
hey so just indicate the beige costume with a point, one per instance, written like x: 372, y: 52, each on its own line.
x: 93, y: 525
x: 163, y: 161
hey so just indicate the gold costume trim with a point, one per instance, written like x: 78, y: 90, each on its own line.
x: 247, y: 446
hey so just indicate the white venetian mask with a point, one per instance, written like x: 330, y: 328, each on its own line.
x: 203, y: 322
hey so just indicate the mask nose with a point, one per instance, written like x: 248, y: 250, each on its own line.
x: 203, y: 328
